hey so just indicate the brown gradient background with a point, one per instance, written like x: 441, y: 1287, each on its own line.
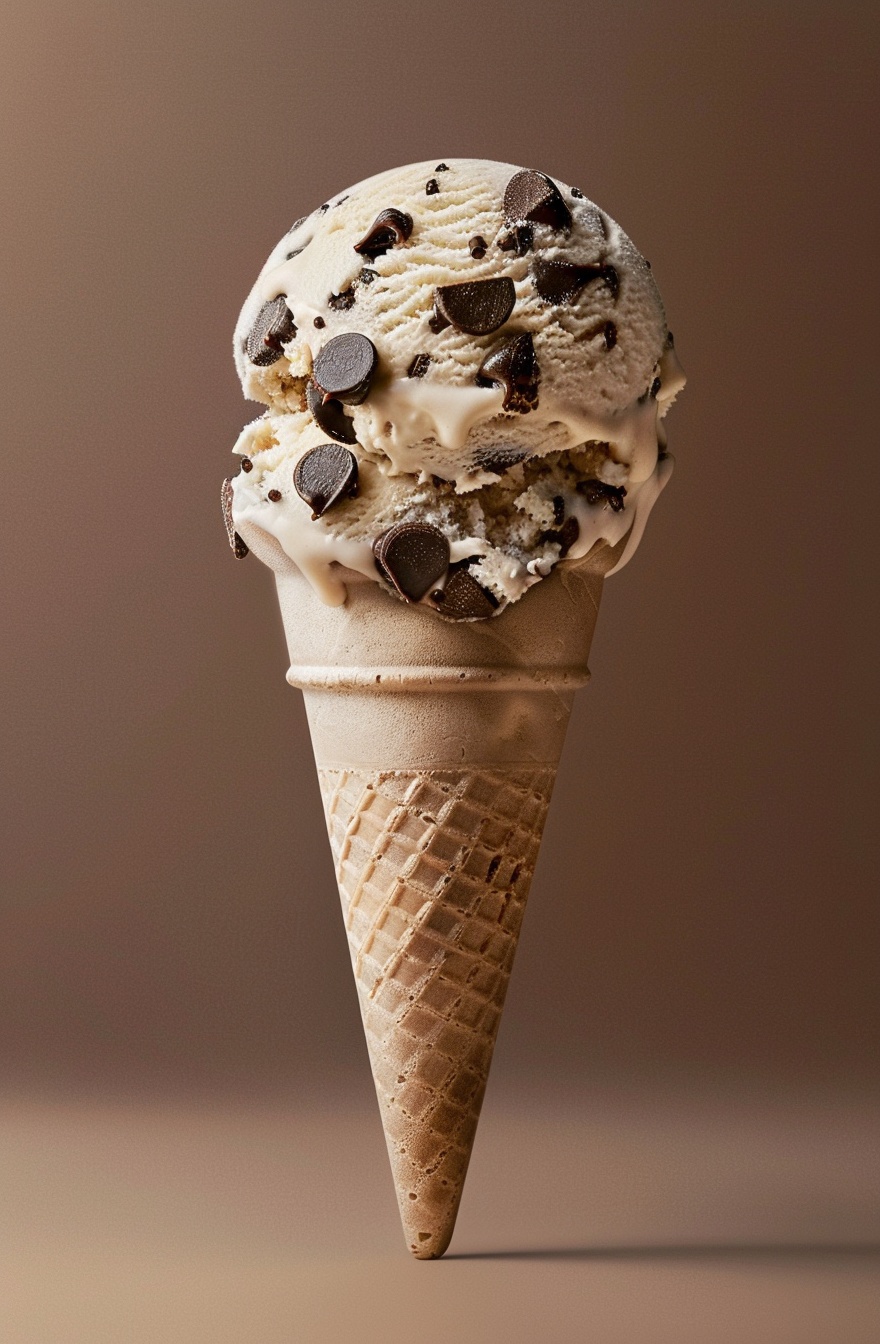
x: 702, y: 921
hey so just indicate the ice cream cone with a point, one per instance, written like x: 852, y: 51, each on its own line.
x: 436, y: 771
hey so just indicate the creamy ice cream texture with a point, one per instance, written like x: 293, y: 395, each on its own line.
x: 465, y: 367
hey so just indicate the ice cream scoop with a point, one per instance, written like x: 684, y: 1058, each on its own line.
x: 465, y: 367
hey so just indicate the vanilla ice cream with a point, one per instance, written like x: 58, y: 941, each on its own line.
x: 464, y: 367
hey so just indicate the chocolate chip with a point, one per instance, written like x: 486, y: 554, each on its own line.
x: 432, y: 186
x: 597, y: 492
x: 442, y: 168
x: 246, y: 464
x: 319, y: 323
x: 514, y: 367
x: 648, y: 264
x: 387, y: 229
x: 239, y: 549
x: 518, y: 240
x: 419, y: 366
x: 329, y: 415
x: 345, y: 366
x: 367, y: 276
x: 476, y: 307
x: 655, y: 387
x: 466, y: 600
x: 558, y: 510
x: 562, y: 281
x: 272, y: 329
x: 498, y: 460
x: 577, y: 193
x: 340, y: 303
x: 325, y: 207
x: 531, y: 196
x: 274, y: 495
x: 325, y: 475
x: 413, y: 557
x: 564, y: 537
x: 477, y: 247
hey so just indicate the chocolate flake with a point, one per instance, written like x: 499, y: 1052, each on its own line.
x: 514, y: 367
x: 295, y: 253
x: 476, y: 307
x: 239, y: 548
x: 325, y: 475
x: 432, y: 186
x: 609, y: 331
x: 387, y: 229
x: 577, y: 193
x: 345, y: 367
x: 499, y: 460
x: 246, y: 464
x: 325, y: 207
x: 598, y: 492
x: 558, y: 510
x: 655, y: 387
x: 413, y: 557
x: 293, y: 228
x: 477, y: 247
x: 367, y: 276
x: 272, y: 328
x: 565, y: 537
x: 274, y: 495
x: 419, y: 366
x: 329, y: 415
x: 442, y: 168
x: 518, y: 240
x: 466, y: 600
x: 562, y: 281
x: 532, y: 197
x: 340, y: 303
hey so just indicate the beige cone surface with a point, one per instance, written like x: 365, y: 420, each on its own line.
x: 434, y: 867
x: 437, y: 745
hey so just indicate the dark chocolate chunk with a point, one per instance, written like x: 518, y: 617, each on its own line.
x: 499, y: 460
x: 442, y: 168
x: 514, y: 367
x: 329, y: 415
x: 477, y: 247
x: 345, y: 367
x: 246, y: 464
x: 273, y: 328
x: 274, y: 495
x: 532, y: 197
x: 577, y: 193
x: 565, y: 536
x: 413, y: 557
x: 597, y: 492
x: 419, y: 366
x: 432, y: 186
x: 325, y: 475
x: 239, y: 549
x: 340, y: 303
x: 476, y: 307
x: 387, y: 229
x: 519, y: 239
x: 319, y: 322
x: 466, y: 600
x: 562, y: 281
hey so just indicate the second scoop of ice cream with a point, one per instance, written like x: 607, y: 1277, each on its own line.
x: 465, y: 366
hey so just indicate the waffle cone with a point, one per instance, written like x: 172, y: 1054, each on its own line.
x: 436, y: 772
